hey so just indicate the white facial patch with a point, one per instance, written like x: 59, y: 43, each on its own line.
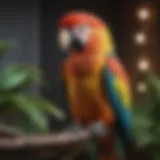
x: 64, y: 38
x: 82, y: 33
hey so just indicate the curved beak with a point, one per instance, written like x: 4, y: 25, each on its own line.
x: 69, y: 41
x: 76, y: 43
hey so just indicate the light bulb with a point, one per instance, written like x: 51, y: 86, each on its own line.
x: 143, y: 14
x: 140, y: 38
x: 141, y: 87
x: 143, y: 65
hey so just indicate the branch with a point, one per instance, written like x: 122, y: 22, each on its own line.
x: 9, y: 131
x: 50, y: 140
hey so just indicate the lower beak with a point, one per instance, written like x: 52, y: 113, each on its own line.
x: 76, y: 44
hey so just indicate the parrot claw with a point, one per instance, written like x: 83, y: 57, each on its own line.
x: 74, y: 127
x: 98, y: 130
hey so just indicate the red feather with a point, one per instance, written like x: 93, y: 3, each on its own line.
x: 117, y: 68
x: 80, y: 18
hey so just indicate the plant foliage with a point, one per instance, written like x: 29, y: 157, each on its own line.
x: 13, y: 80
x: 147, y: 118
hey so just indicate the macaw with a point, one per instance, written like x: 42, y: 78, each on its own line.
x: 98, y: 87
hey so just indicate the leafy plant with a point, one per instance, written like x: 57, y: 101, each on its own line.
x: 34, y: 109
x: 147, y: 118
x: 146, y: 121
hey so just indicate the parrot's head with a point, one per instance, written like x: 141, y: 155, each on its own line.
x: 86, y: 39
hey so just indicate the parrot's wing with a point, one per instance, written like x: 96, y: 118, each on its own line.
x: 118, y: 93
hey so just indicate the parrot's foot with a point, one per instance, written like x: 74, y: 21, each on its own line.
x: 98, y: 130
x: 74, y: 127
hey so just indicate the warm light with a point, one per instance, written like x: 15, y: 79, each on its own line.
x: 143, y: 65
x: 143, y: 14
x: 140, y: 38
x: 141, y: 87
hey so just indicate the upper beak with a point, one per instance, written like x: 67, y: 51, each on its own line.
x: 76, y: 43
x: 68, y: 41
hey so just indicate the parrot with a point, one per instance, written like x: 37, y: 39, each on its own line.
x: 97, y: 85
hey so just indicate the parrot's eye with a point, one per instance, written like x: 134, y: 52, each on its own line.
x: 64, y: 38
x: 81, y: 32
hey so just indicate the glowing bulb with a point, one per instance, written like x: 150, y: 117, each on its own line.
x: 143, y: 14
x: 141, y: 87
x: 140, y: 38
x: 143, y: 65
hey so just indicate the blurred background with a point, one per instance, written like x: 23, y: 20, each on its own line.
x: 31, y: 26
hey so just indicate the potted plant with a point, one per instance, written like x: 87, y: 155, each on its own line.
x: 30, y: 136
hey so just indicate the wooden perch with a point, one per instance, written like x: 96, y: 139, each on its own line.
x: 59, y: 146
x: 56, y: 139
x: 8, y: 131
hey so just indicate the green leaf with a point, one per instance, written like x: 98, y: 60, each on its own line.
x: 47, y: 106
x: 17, y: 76
x: 142, y: 122
x: 26, y: 126
x: 146, y: 119
x: 35, y: 74
x: 3, y: 99
x: 5, y: 105
x: 92, y: 150
x: 35, y: 116
x: 153, y: 86
x: 4, y: 45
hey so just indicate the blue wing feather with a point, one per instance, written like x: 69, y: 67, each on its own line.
x: 123, y: 115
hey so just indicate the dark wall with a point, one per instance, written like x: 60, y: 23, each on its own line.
x: 19, y: 22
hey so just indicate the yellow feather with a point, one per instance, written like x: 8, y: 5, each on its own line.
x: 123, y: 91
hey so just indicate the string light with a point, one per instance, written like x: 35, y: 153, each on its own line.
x: 143, y: 14
x: 143, y: 65
x: 141, y: 87
x: 140, y: 38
